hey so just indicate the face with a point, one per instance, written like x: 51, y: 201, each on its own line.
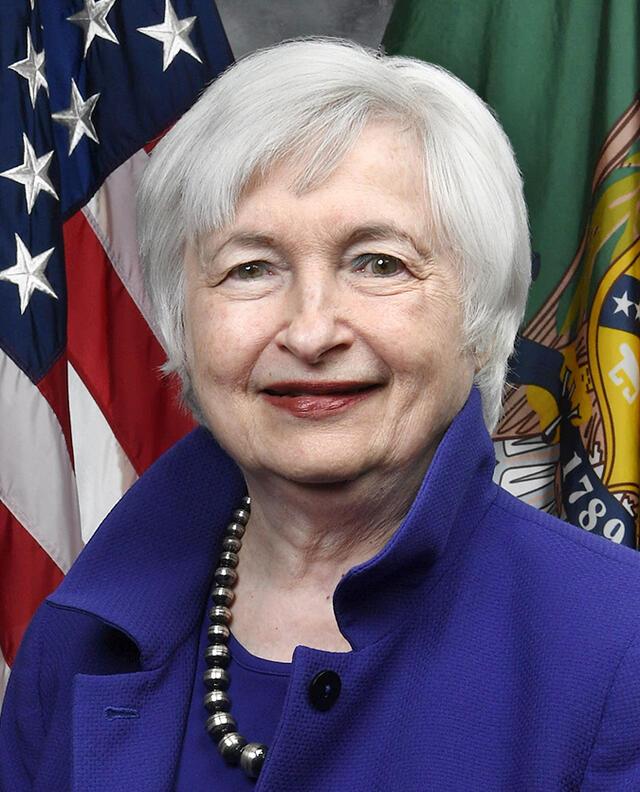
x: 323, y: 332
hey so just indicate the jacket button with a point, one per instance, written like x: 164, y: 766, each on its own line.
x: 324, y: 690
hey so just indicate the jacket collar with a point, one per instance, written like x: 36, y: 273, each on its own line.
x: 147, y: 570
x: 374, y: 598
x: 148, y: 567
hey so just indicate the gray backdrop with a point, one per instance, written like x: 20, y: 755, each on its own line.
x: 251, y: 24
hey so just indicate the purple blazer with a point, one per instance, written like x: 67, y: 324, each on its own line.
x: 494, y: 647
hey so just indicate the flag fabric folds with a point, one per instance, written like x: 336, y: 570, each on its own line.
x: 562, y: 77
x: 86, y: 87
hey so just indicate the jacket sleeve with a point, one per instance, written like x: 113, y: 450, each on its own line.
x: 614, y: 762
x: 21, y: 721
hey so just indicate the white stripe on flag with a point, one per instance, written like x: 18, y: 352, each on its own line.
x: 111, y: 213
x: 4, y: 676
x: 103, y: 470
x: 37, y: 483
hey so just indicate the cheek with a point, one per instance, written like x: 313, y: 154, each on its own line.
x: 207, y: 336
x: 224, y: 342
x: 420, y: 339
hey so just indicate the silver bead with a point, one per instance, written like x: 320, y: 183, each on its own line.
x: 231, y: 544
x: 216, y: 678
x: 252, y: 758
x: 217, y: 655
x: 241, y: 516
x: 217, y: 701
x: 229, y: 559
x: 219, y: 724
x: 218, y: 633
x: 236, y: 529
x: 246, y: 502
x: 219, y: 614
x: 225, y: 576
x: 222, y: 595
x: 230, y: 746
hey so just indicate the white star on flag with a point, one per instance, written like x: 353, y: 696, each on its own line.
x: 32, y: 69
x: 28, y: 274
x: 93, y: 20
x: 77, y: 117
x: 623, y: 304
x: 174, y: 35
x: 32, y: 174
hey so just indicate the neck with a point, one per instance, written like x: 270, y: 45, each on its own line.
x: 310, y: 535
x: 300, y: 541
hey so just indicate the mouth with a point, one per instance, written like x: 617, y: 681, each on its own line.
x: 317, y: 399
x: 319, y: 388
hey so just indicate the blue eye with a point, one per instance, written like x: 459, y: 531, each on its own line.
x: 378, y: 265
x: 251, y: 270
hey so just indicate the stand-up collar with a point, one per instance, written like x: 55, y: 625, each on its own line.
x: 374, y: 598
x: 148, y: 568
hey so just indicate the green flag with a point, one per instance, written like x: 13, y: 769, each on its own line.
x: 563, y: 78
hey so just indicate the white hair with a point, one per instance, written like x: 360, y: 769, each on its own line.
x: 306, y: 101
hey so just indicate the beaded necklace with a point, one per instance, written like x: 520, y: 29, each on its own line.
x: 220, y: 723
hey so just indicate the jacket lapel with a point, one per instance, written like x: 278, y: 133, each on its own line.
x: 146, y: 572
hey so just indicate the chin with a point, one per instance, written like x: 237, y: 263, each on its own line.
x: 319, y: 472
x: 319, y: 480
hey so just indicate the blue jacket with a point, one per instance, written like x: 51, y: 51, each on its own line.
x: 494, y: 647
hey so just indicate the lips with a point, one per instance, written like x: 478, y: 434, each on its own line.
x: 317, y: 399
x: 317, y: 388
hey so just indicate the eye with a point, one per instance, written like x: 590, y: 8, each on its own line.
x: 378, y: 264
x: 250, y: 271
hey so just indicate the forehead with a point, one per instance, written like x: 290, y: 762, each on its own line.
x: 380, y: 180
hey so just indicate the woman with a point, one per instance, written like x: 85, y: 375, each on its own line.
x: 336, y: 247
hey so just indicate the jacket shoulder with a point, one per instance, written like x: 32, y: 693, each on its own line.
x: 543, y: 531
x: 569, y: 575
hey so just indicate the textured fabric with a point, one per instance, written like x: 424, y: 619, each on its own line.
x: 491, y: 650
x: 257, y: 690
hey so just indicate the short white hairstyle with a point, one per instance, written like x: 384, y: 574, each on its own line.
x: 306, y: 101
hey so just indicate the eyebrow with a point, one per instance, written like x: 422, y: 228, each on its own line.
x: 241, y: 239
x: 367, y: 233
x: 378, y: 232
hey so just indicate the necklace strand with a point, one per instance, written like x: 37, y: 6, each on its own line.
x: 220, y: 723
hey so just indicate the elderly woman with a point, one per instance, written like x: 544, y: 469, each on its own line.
x: 321, y: 587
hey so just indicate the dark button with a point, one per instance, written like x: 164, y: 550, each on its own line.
x: 324, y: 690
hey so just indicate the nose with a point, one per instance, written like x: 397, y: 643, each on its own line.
x: 315, y: 321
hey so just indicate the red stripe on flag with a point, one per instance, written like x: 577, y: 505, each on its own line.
x: 28, y: 576
x: 54, y: 386
x: 115, y: 353
x: 149, y: 147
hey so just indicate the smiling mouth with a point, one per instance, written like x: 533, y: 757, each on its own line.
x: 294, y: 389
x: 317, y: 400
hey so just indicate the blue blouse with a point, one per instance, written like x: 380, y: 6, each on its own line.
x: 257, y: 690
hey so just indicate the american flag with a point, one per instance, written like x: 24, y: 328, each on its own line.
x: 86, y: 87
